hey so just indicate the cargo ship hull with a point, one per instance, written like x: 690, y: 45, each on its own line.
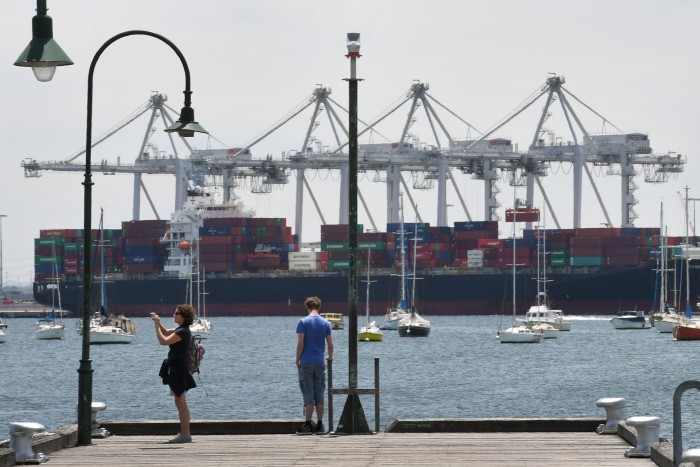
x: 439, y: 292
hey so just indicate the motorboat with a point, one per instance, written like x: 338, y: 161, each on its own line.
x: 336, y: 319
x: 3, y: 334
x: 630, y: 319
x: 687, y: 330
x: 543, y: 314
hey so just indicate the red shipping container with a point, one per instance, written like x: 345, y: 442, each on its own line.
x: 625, y: 241
x: 624, y: 260
x: 522, y: 215
x: 472, y: 234
x: 489, y: 243
x: 586, y: 250
x: 216, y: 240
x: 585, y: 241
x: 216, y: 266
x: 628, y: 250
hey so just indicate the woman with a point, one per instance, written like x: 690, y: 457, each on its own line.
x: 178, y: 375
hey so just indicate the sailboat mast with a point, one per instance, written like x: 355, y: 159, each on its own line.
x: 415, y: 250
x: 687, y: 260
x: 102, y: 259
x: 662, y: 291
x: 403, y: 257
x: 515, y: 213
x: 369, y: 251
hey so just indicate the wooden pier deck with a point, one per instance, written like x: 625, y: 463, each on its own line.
x: 501, y: 449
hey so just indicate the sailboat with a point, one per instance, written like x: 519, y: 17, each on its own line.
x: 47, y: 328
x: 370, y: 332
x: 414, y: 325
x: 3, y: 334
x: 106, y: 328
x: 517, y: 334
x: 666, y: 317
x: 540, y: 317
x: 201, y: 326
x: 400, y: 311
x: 687, y: 329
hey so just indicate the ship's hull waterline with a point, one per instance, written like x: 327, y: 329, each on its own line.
x: 598, y: 292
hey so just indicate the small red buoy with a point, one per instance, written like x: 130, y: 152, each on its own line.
x: 184, y: 245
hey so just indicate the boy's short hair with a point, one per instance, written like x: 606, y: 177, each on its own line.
x: 312, y: 303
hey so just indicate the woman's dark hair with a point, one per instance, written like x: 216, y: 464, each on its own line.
x: 187, y: 313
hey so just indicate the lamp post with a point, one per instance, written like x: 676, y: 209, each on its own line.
x: 185, y: 127
x: 352, y: 420
x: 43, y: 54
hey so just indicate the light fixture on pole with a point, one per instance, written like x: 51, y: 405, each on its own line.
x: 43, y: 54
x: 186, y: 127
x: 352, y: 420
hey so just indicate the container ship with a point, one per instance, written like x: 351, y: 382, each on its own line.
x: 235, y: 264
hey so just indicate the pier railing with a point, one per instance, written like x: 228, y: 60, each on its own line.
x: 375, y: 390
x: 677, y: 428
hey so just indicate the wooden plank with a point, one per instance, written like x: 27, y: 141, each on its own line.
x: 469, y: 449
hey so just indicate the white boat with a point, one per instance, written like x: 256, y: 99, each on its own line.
x: 112, y: 330
x: 518, y: 334
x: 106, y: 328
x: 370, y: 332
x: 51, y: 326
x: 548, y: 331
x: 543, y: 314
x: 630, y: 319
x: 3, y: 334
x: 201, y: 326
x: 540, y: 313
x: 401, y: 310
x: 667, y: 317
x: 48, y: 328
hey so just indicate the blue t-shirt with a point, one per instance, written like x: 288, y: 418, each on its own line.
x: 315, y: 329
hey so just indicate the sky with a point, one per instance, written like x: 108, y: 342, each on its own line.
x: 251, y: 63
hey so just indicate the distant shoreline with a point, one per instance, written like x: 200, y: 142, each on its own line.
x: 27, y: 310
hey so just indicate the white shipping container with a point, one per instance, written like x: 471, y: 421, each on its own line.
x: 475, y: 263
x: 303, y: 265
x: 303, y: 255
x: 475, y: 254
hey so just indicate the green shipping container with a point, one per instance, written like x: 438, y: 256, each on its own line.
x: 49, y: 241
x: 47, y: 259
x: 559, y: 254
x: 587, y: 260
x: 558, y: 261
x: 334, y: 246
x: 73, y: 247
x: 341, y: 264
x: 371, y: 246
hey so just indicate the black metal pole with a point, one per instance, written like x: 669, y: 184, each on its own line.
x: 352, y: 420
x: 85, y: 370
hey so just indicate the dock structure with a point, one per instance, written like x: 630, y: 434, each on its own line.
x: 535, y: 446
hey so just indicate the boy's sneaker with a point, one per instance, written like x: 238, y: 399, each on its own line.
x: 180, y: 439
x: 307, y: 428
x: 320, y: 429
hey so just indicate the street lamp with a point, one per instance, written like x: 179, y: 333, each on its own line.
x: 185, y: 126
x: 43, y: 54
x: 352, y: 420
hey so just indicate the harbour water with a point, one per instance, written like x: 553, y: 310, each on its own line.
x: 459, y: 371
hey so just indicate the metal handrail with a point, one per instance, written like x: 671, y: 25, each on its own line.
x: 677, y: 428
x: 374, y: 390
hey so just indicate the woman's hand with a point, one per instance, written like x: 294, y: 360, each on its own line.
x: 155, y: 317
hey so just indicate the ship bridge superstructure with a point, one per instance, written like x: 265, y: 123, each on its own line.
x: 482, y: 156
